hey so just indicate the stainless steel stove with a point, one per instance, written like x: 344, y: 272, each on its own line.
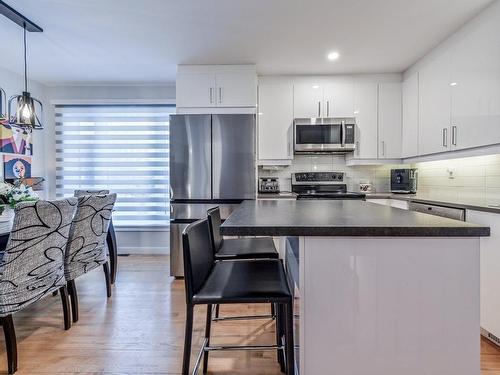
x: 322, y: 185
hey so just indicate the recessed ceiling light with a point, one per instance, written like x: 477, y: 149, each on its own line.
x: 453, y: 84
x: 316, y: 87
x: 333, y: 56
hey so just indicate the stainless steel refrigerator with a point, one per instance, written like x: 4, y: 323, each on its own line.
x: 212, y: 163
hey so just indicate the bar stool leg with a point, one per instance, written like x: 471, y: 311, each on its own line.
x: 217, y: 311
x: 187, y: 340
x: 279, y: 336
x: 208, y: 325
x: 290, y: 361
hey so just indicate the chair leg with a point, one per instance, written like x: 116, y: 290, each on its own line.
x: 290, y: 361
x: 207, y: 336
x: 63, y: 291
x: 273, y: 310
x: 108, y: 278
x: 113, y: 251
x: 217, y: 311
x: 187, y: 340
x: 279, y: 335
x: 10, y: 342
x: 74, y: 299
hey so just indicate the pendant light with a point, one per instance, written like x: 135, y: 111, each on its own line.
x: 26, y: 112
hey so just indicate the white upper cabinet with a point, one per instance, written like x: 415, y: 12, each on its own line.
x: 200, y: 86
x: 365, y: 111
x: 236, y: 89
x: 435, y: 105
x: 324, y: 97
x: 308, y: 99
x: 409, y: 142
x: 389, y: 120
x: 275, y: 120
x: 475, y: 90
x: 195, y: 90
x: 338, y: 98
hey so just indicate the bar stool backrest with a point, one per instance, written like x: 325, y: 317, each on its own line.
x: 32, y: 264
x: 214, y: 222
x: 198, y: 256
x: 87, y: 237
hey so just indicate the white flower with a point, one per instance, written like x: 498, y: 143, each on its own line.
x: 5, y: 188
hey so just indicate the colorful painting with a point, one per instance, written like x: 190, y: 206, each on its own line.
x: 15, y: 166
x: 16, y: 140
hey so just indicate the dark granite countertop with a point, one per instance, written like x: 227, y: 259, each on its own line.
x: 340, y: 218
x: 485, y: 205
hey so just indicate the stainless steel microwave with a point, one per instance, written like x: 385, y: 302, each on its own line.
x: 324, y: 135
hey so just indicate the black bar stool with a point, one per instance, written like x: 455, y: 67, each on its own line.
x: 237, y: 249
x: 210, y: 282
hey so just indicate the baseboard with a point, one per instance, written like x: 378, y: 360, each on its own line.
x: 143, y: 250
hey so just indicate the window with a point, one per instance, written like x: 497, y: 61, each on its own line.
x: 122, y: 148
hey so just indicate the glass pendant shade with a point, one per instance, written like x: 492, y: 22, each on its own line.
x: 3, y: 105
x: 25, y: 114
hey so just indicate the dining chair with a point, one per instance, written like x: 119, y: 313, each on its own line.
x: 110, y: 238
x: 210, y: 282
x: 86, y: 248
x: 32, y: 264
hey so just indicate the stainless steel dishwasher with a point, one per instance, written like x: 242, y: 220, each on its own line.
x: 443, y: 211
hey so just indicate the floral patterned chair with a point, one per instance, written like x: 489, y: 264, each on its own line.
x: 110, y: 238
x: 32, y: 265
x: 86, y: 248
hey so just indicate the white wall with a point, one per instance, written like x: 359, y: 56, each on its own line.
x: 129, y: 240
x: 13, y: 84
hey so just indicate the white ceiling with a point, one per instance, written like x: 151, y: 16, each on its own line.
x: 127, y: 41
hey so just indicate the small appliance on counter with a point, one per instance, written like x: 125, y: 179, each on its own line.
x: 404, y: 181
x: 269, y: 185
x: 322, y: 185
x: 366, y: 187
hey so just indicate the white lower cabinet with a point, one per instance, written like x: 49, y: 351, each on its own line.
x: 490, y: 270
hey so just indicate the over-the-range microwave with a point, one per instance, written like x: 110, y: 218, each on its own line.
x: 324, y: 135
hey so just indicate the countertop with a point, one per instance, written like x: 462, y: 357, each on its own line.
x: 340, y: 218
x: 468, y: 204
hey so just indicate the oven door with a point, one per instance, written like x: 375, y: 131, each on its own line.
x: 312, y: 137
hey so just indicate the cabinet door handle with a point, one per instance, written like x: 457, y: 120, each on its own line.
x: 319, y: 109
x: 327, y: 108
x: 220, y: 94
x: 454, y: 135
x: 383, y: 148
x: 357, y: 147
x: 211, y: 95
x: 445, y: 137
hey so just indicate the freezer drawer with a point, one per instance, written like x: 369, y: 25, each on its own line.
x: 197, y: 211
x: 176, y: 256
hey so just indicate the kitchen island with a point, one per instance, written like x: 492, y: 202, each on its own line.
x: 382, y: 291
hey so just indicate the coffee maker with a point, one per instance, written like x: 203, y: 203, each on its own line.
x: 404, y: 181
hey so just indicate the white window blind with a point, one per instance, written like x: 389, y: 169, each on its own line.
x: 121, y: 148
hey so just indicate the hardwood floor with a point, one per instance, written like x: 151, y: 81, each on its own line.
x: 140, y: 330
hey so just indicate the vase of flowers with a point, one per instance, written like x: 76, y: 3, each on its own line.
x: 12, y: 194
